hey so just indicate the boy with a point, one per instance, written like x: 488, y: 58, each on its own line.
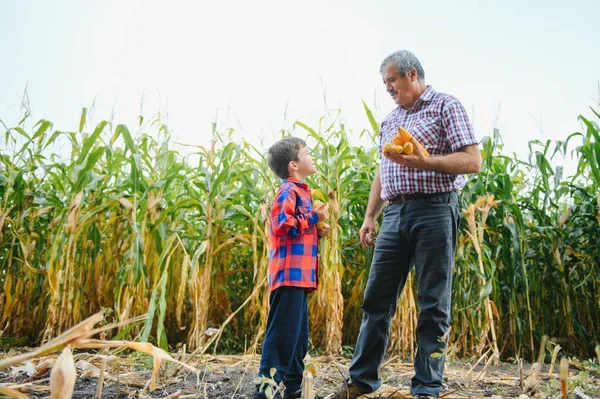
x: 293, y: 266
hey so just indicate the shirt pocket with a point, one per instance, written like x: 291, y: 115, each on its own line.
x: 305, y: 210
x: 427, y: 132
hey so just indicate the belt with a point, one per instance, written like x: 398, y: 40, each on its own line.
x: 401, y: 198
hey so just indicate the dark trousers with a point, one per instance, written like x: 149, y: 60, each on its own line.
x: 286, y: 338
x: 420, y: 233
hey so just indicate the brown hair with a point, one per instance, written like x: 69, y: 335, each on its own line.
x: 282, y: 153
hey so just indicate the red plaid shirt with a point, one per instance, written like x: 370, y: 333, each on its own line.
x: 440, y: 123
x: 294, y: 240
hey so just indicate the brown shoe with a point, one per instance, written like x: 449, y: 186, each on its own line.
x: 346, y: 391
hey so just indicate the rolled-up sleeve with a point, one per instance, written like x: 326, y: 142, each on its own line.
x: 455, y: 121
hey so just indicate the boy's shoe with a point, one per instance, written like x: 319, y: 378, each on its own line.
x: 424, y: 397
x: 346, y: 391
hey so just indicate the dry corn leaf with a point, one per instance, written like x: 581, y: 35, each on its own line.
x: 77, y: 332
x: 481, y: 202
x: 154, y: 202
x: 12, y: 393
x: 126, y: 203
x: 564, y: 377
x: 86, y: 369
x: 43, y: 211
x: 72, y: 216
x: 63, y: 376
x: 159, y: 355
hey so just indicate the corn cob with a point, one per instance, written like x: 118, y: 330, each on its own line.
x: 393, y: 148
x: 320, y: 223
x: 404, y: 137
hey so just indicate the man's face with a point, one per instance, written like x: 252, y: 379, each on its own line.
x: 402, y: 89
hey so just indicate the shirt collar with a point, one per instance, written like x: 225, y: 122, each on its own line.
x: 427, y: 95
x: 295, y: 181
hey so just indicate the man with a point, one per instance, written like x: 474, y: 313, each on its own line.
x: 419, y: 228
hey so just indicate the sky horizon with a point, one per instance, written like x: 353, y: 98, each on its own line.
x: 528, y: 69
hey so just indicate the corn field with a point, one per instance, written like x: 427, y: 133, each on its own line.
x: 124, y: 223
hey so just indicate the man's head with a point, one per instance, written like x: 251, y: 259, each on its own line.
x: 290, y: 157
x: 404, y: 77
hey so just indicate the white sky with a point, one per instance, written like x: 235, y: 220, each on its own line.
x: 259, y: 65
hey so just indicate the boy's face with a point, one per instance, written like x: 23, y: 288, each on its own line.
x: 305, y: 166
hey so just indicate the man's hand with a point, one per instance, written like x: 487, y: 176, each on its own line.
x: 367, y: 233
x: 323, y: 231
x: 416, y: 160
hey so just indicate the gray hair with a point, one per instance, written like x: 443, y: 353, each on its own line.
x: 404, y: 61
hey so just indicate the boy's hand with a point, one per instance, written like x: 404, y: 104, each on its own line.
x: 323, y: 231
x: 322, y: 212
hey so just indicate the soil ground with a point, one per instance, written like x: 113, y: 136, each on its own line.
x: 234, y: 376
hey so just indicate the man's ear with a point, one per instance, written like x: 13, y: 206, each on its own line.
x: 413, y: 75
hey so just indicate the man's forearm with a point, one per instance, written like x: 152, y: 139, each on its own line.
x: 375, y: 203
x: 465, y: 160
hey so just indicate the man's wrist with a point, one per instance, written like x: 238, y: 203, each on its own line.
x: 428, y: 163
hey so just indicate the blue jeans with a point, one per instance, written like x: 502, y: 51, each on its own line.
x: 422, y: 233
x: 286, y: 338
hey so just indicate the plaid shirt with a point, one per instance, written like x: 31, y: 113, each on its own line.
x: 440, y: 123
x: 294, y: 239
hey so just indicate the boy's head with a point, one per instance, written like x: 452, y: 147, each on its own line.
x: 290, y: 157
